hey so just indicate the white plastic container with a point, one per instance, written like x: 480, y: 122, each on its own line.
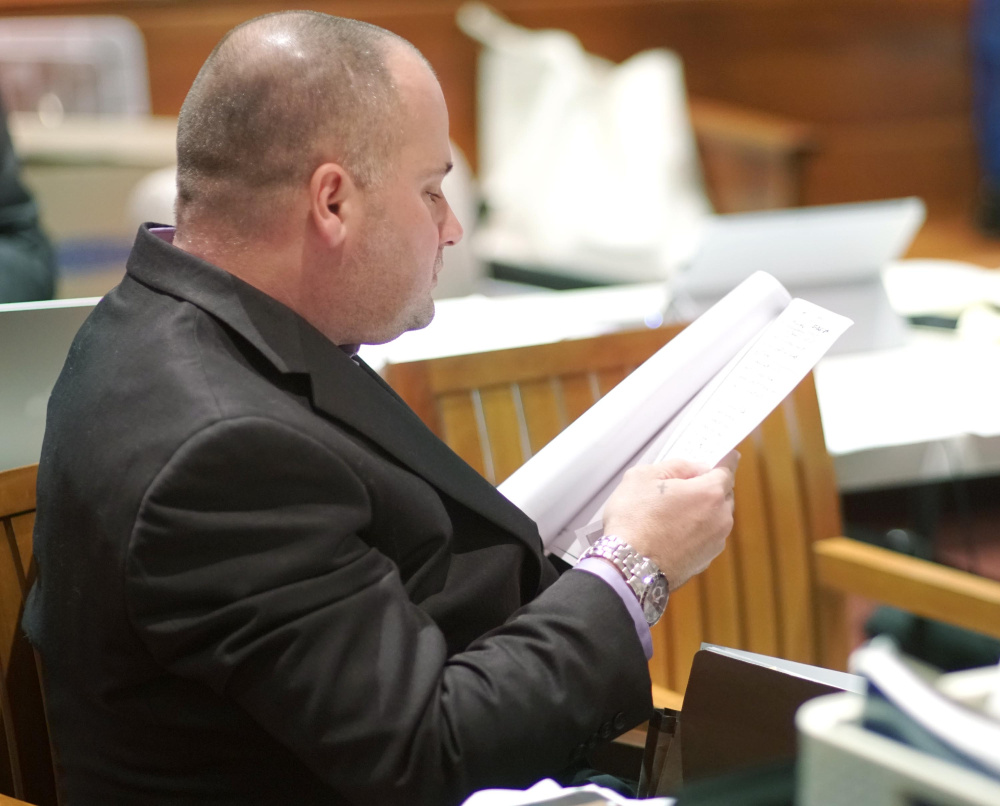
x: 843, y: 764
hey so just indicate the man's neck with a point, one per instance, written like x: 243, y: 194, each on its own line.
x: 280, y: 271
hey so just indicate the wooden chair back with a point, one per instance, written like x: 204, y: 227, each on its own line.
x: 496, y: 409
x: 26, y: 768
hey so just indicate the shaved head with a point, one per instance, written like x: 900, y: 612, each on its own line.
x: 279, y: 95
x: 311, y: 153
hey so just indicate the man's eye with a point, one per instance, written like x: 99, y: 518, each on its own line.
x: 435, y: 197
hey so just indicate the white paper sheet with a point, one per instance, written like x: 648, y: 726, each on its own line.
x: 556, y: 483
x: 934, y: 389
x: 735, y: 402
x: 696, y: 398
x: 758, y: 380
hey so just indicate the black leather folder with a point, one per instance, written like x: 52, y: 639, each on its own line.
x: 739, y: 709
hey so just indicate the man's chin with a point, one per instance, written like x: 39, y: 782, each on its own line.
x: 425, y: 318
x: 418, y: 321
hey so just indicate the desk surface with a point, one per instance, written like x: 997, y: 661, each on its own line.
x: 928, y: 410
x: 136, y: 142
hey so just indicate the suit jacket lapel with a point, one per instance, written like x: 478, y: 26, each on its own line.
x: 353, y: 393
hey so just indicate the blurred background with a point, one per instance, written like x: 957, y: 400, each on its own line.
x: 864, y: 99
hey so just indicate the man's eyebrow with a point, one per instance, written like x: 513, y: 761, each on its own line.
x: 444, y: 170
x: 436, y: 175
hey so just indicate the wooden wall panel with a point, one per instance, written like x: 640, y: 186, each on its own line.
x: 932, y: 158
x: 886, y: 82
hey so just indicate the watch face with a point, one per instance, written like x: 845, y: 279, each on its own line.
x: 654, y: 601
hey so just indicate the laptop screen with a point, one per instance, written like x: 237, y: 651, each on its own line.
x: 802, y: 246
x: 34, y: 340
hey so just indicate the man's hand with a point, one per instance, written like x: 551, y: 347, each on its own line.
x: 676, y: 513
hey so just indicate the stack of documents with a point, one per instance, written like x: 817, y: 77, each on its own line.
x: 903, y: 704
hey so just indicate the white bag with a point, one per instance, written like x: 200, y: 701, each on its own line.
x: 587, y: 168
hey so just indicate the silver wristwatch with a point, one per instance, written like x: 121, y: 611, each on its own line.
x: 641, y: 573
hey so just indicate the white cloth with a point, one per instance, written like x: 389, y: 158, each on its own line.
x: 547, y: 790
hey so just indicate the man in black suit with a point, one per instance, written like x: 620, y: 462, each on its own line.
x: 261, y: 579
x: 27, y: 262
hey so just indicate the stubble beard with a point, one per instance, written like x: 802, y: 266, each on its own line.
x: 382, y: 259
x: 422, y: 313
x: 428, y: 308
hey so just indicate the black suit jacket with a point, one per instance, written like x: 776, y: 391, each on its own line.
x: 263, y: 580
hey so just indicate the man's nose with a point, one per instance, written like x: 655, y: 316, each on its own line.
x: 451, y: 229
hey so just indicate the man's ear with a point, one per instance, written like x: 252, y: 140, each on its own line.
x: 331, y: 196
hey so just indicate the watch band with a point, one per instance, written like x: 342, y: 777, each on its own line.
x: 625, y: 558
x: 641, y: 574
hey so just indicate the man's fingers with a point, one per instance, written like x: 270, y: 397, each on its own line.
x: 730, y: 460
x: 683, y: 469
x: 678, y: 469
x: 676, y: 512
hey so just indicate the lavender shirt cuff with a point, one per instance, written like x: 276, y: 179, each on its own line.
x: 610, y: 574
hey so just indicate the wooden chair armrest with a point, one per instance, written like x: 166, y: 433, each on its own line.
x: 750, y: 160
x: 921, y: 587
x: 665, y: 698
x: 721, y: 122
x: 6, y: 801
